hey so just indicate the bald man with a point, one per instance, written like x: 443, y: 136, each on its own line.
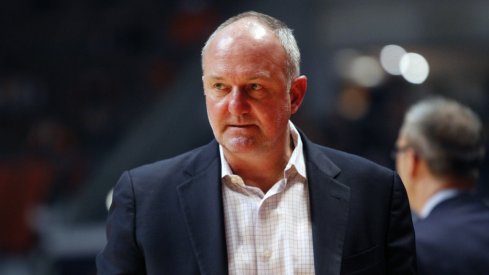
x: 260, y: 198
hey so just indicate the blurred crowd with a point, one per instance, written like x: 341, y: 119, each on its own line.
x: 72, y: 75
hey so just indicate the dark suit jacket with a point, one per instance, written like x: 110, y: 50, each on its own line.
x: 167, y: 217
x: 454, y: 238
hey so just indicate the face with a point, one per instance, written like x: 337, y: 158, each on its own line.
x: 404, y: 162
x: 249, y: 99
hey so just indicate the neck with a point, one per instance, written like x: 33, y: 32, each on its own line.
x: 426, y: 189
x: 429, y: 186
x: 261, y: 170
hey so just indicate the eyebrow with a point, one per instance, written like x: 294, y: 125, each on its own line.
x: 215, y: 77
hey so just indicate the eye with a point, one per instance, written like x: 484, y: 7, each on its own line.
x: 217, y: 89
x: 218, y: 86
x: 255, y: 87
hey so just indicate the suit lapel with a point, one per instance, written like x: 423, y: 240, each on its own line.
x: 201, y: 203
x: 329, y: 201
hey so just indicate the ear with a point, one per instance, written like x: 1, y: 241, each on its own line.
x: 203, y: 85
x: 297, y: 92
x: 414, y: 163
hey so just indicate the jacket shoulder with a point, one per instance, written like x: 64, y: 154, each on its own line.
x: 178, y: 167
x: 349, y: 163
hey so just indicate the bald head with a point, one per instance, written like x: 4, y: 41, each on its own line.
x: 253, y: 28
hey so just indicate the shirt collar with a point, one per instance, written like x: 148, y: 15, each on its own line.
x: 436, y: 199
x: 296, y: 160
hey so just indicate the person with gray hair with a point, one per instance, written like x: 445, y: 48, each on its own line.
x: 260, y: 198
x: 439, y: 151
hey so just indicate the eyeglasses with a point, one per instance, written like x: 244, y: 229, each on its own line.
x: 399, y: 150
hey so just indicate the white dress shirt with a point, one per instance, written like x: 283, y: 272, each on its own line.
x: 269, y: 233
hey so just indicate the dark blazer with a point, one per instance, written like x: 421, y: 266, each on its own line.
x: 454, y: 238
x: 167, y: 217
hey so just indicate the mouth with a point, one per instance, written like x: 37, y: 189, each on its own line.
x: 240, y: 126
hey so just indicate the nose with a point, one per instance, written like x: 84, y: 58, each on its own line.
x: 238, y: 102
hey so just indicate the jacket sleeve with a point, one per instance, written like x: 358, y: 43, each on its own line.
x: 400, y: 250
x: 121, y: 254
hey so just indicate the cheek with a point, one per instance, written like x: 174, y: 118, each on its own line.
x: 282, y: 111
x: 400, y: 169
x: 215, y: 110
x: 275, y: 118
x: 210, y: 110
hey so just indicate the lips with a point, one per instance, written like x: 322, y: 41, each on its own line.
x: 240, y: 126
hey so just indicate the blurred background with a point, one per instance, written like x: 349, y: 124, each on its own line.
x: 90, y: 88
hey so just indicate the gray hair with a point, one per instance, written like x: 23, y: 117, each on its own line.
x: 448, y: 135
x: 281, y: 31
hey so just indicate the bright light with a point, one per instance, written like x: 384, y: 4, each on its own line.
x: 366, y: 71
x: 390, y: 57
x: 108, y: 199
x: 414, y: 68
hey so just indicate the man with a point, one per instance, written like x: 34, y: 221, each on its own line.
x: 439, y: 150
x: 261, y: 198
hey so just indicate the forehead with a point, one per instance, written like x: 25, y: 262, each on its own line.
x: 244, y: 46
x: 250, y: 28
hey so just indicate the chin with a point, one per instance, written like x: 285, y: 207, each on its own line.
x: 240, y: 144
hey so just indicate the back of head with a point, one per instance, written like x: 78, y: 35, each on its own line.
x: 448, y: 136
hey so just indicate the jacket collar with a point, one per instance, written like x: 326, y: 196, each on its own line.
x: 201, y: 202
